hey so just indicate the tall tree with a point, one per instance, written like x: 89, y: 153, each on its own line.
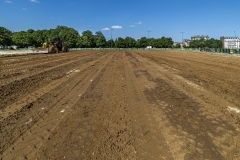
x: 110, y: 43
x: 130, y: 42
x: 99, y: 39
x: 87, y: 39
x: 22, y: 39
x: 211, y: 43
x: 5, y: 37
x: 120, y: 43
x: 142, y: 42
x: 67, y: 34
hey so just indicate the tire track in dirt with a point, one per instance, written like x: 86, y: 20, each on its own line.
x: 43, y: 68
x: 19, y: 61
x: 202, y: 121
x: 101, y: 126
x: 42, y: 91
x: 149, y: 141
x: 110, y: 122
x: 225, y: 86
x: 34, y: 66
x: 112, y: 135
x: 26, y: 83
x: 28, y: 144
x: 8, y: 61
x: 125, y: 105
x: 198, y: 70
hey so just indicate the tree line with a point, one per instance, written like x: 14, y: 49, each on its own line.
x: 87, y: 39
x: 74, y: 40
x: 209, y: 43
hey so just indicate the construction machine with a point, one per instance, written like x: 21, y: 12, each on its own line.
x: 55, y: 46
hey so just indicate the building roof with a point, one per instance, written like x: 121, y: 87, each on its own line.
x: 229, y: 37
x: 198, y: 36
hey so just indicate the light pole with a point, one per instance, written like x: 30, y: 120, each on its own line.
x: 148, y: 36
x: 234, y: 39
x: 182, y: 38
x: 111, y: 37
x: 237, y: 41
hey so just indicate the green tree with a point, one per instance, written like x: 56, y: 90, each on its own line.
x: 32, y: 38
x: 87, y: 39
x: 166, y: 42
x: 68, y: 35
x: 99, y: 39
x: 142, y: 42
x: 196, y: 43
x: 163, y: 42
x: 110, y: 43
x: 213, y: 43
x: 178, y: 45
x: 152, y: 42
x: 39, y: 37
x: 120, y: 43
x: 22, y: 39
x: 79, y: 42
x: 5, y: 37
x: 130, y: 42
x: 201, y: 43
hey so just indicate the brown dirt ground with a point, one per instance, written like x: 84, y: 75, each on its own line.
x: 120, y: 105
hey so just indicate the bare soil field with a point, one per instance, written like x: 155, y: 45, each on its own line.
x: 163, y: 105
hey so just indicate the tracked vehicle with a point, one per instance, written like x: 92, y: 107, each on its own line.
x: 55, y: 46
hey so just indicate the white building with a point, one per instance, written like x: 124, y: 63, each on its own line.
x: 198, y: 37
x: 176, y: 43
x: 230, y: 42
x: 186, y: 42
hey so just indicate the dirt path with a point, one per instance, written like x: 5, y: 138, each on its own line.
x: 120, y: 105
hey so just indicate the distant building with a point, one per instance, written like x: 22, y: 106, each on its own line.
x: 230, y: 42
x: 176, y: 43
x: 198, y: 37
x: 186, y: 42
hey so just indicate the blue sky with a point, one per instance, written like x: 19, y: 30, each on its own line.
x: 132, y: 18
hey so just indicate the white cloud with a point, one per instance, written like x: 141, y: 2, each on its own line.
x: 135, y: 24
x: 139, y: 22
x: 116, y: 27
x: 7, y: 1
x: 106, y: 29
x: 34, y: 1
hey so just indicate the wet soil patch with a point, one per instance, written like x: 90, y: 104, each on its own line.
x: 183, y: 111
